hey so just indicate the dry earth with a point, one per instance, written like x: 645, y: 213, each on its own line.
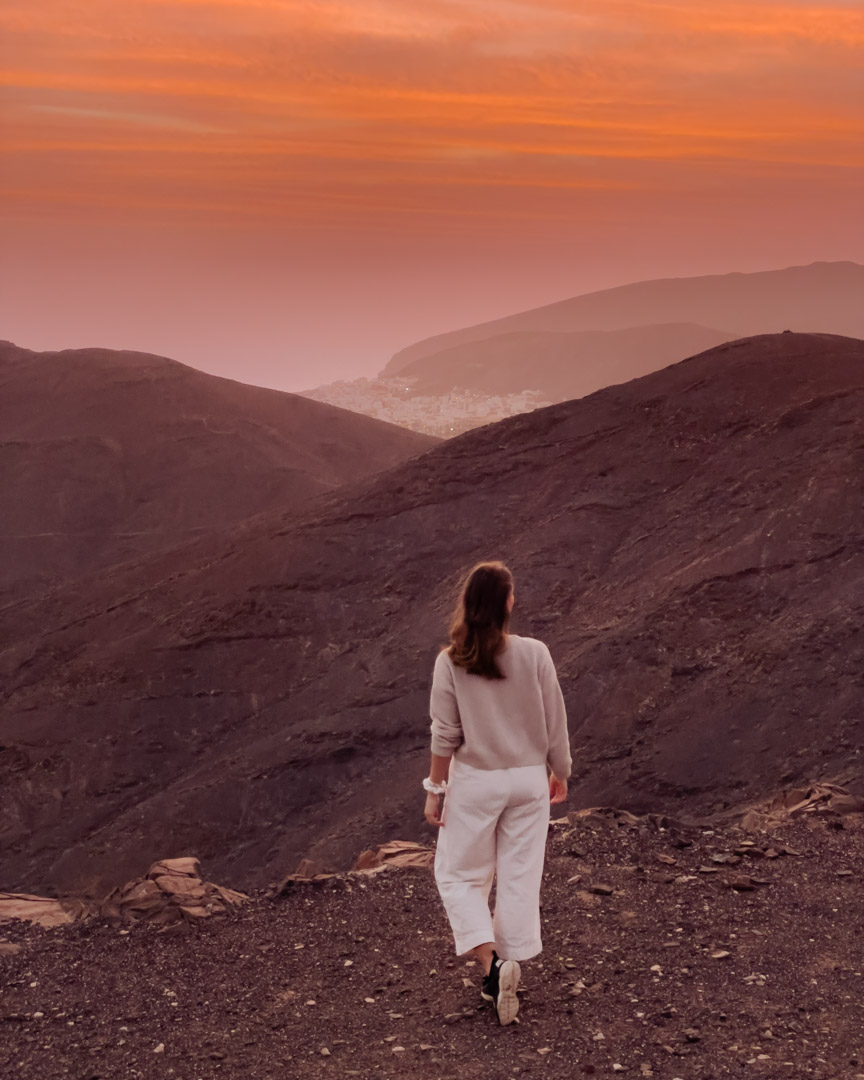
x: 107, y: 456
x: 690, y: 545
x: 653, y: 966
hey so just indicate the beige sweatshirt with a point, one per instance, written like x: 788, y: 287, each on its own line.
x: 502, y: 723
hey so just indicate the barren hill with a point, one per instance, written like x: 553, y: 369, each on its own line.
x: 823, y: 297
x: 560, y: 365
x: 690, y: 545
x: 109, y: 455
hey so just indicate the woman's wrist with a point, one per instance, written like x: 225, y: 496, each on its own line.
x: 433, y: 788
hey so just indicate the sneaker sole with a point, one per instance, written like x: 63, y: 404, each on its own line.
x: 507, y: 1004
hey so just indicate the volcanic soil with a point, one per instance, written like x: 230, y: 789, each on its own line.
x: 670, y: 951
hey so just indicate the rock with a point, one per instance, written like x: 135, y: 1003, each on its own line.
x: 39, y: 910
x: 160, y: 1049
x: 745, y: 883
x: 7, y: 948
x: 602, y: 890
x: 396, y: 853
x: 667, y: 860
x: 720, y: 954
x: 172, y: 891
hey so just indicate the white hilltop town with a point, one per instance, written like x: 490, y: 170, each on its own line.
x: 444, y: 415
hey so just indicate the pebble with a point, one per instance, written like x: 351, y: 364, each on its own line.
x: 160, y: 1049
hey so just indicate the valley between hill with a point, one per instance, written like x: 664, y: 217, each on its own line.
x: 690, y: 545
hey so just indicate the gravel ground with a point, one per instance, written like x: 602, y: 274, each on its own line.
x: 651, y: 967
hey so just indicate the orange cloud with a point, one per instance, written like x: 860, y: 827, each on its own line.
x: 289, y: 110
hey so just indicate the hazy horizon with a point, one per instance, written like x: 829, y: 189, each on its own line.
x: 288, y: 194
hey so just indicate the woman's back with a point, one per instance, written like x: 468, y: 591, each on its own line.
x: 502, y: 723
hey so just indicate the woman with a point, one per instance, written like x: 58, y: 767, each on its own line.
x: 498, y: 720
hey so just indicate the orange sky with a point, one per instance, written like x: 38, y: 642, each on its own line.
x: 289, y: 190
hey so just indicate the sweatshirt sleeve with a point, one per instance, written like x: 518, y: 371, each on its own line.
x: 559, y: 758
x: 444, y: 710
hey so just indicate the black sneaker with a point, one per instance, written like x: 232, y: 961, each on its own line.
x: 499, y: 987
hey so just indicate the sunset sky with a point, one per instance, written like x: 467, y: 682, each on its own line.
x: 288, y: 191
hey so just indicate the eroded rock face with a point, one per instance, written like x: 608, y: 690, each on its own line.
x: 172, y: 891
x: 689, y: 545
x: 38, y: 910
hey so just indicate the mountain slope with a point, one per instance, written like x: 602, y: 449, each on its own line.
x: 823, y: 297
x: 108, y: 455
x: 560, y: 365
x: 690, y: 545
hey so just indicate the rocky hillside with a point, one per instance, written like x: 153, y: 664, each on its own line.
x: 669, y: 951
x: 825, y: 297
x: 560, y: 365
x: 690, y: 545
x: 107, y: 455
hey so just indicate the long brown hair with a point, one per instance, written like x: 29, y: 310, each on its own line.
x: 479, y: 626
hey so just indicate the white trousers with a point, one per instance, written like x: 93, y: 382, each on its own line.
x: 495, y: 823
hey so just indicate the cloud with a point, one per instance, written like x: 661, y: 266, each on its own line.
x: 426, y: 103
x: 147, y: 120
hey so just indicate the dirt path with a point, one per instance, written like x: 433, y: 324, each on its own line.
x: 674, y: 974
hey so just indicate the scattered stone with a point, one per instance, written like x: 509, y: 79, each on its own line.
x: 720, y: 954
x: 602, y: 890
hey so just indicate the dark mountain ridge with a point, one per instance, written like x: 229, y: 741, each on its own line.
x: 690, y: 545
x: 826, y: 297
x: 107, y: 455
x: 561, y: 365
